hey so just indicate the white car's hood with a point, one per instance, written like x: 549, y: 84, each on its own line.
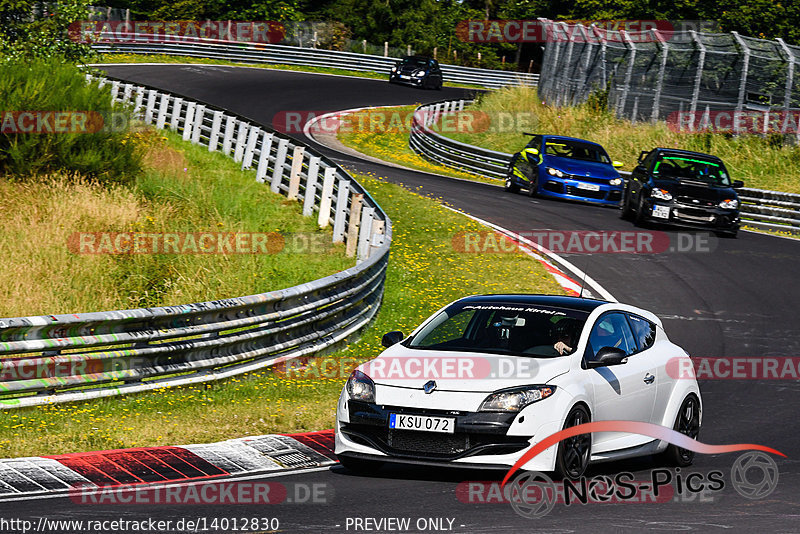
x: 399, y: 366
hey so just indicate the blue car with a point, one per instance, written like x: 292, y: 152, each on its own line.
x: 567, y: 168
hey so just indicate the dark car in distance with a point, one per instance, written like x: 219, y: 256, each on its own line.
x: 419, y: 71
x: 682, y: 188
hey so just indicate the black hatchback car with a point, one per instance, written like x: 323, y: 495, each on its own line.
x: 682, y: 188
x: 419, y: 71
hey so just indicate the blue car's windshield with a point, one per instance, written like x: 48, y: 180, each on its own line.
x: 500, y: 328
x: 564, y: 148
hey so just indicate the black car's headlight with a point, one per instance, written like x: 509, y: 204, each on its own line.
x: 660, y: 194
x: 360, y: 387
x: 394, y: 69
x: 555, y: 172
x: 420, y: 73
x: 729, y: 204
x: 515, y: 399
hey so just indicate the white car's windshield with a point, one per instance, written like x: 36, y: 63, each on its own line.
x: 520, y: 329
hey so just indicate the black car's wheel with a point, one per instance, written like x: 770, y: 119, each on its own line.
x: 687, y: 422
x: 439, y: 87
x: 574, y: 453
x: 359, y: 465
x: 627, y: 212
x: 640, y: 216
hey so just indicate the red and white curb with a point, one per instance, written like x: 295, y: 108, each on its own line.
x: 20, y: 477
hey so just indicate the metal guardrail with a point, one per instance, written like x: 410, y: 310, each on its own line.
x: 293, y: 55
x: 767, y: 210
x: 58, y: 358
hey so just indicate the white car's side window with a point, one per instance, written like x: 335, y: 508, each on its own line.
x: 612, y: 330
x: 644, y: 331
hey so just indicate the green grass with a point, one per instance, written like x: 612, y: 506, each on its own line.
x: 764, y: 163
x: 385, y: 141
x: 425, y: 272
x: 183, y: 188
x: 163, y: 58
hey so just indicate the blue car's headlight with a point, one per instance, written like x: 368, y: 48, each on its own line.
x: 615, y: 181
x: 661, y: 194
x: 515, y: 399
x: 555, y: 172
x: 360, y: 387
x: 729, y: 204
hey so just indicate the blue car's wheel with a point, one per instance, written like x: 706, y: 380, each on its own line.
x: 533, y: 186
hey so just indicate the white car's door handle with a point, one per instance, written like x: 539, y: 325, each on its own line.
x: 649, y: 379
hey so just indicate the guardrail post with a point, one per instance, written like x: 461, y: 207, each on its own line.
x: 176, y: 113
x: 213, y: 138
x: 365, y: 233
x: 241, y: 137
x: 327, y: 197
x: 188, y: 121
x: 280, y: 159
x: 151, y: 106
x: 294, y: 176
x: 227, y: 140
x: 199, y: 115
x: 137, y: 103
x: 114, y: 90
x: 126, y: 92
x: 341, y: 211
x: 252, y: 139
x: 162, y: 111
x: 354, y: 224
x: 378, y: 229
x: 311, y: 186
x: 263, y: 157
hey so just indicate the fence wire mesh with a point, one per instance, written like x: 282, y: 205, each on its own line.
x: 688, y: 76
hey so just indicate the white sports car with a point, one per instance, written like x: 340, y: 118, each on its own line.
x: 487, y: 377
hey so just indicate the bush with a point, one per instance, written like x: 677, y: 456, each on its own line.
x: 108, y: 154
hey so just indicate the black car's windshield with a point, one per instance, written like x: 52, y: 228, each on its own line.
x: 414, y: 62
x: 564, y: 148
x: 692, y: 169
x: 502, y: 328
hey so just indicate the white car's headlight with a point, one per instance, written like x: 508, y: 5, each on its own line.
x: 515, y: 399
x: 729, y: 204
x: 360, y: 387
x: 555, y: 172
x: 615, y: 181
x: 661, y: 194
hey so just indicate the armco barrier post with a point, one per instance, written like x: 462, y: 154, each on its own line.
x: 199, y: 116
x: 365, y: 233
x: 341, y: 211
x: 280, y: 159
x: 263, y: 157
x: 227, y: 140
x: 353, y: 224
x: 162, y: 111
x: 176, y: 113
x: 213, y: 138
x: 241, y: 138
x: 188, y: 121
x: 294, y: 175
x: 150, y: 106
x: 311, y: 186
x: 326, y: 198
x: 249, y: 150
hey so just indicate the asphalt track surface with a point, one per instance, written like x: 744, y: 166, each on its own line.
x: 738, y: 300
